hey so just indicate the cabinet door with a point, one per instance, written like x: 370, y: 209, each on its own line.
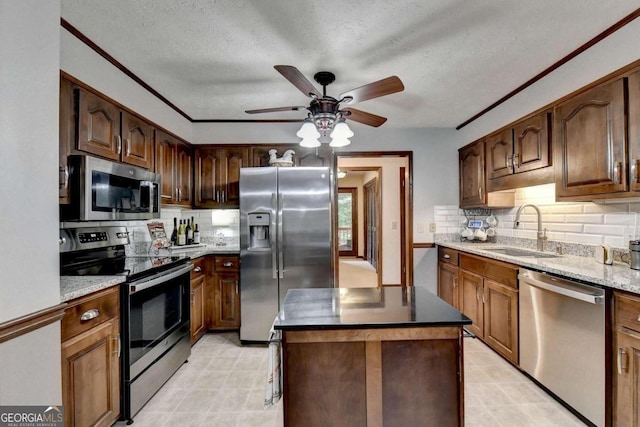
x: 137, y: 141
x: 207, y: 188
x: 228, y: 300
x: 501, y: 318
x: 91, y: 376
x: 184, y: 173
x: 198, y: 298
x: 531, y: 143
x: 634, y: 131
x: 165, y: 165
x: 471, y: 301
x: 232, y: 159
x: 472, y: 189
x: 627, y: 380
x: 98, y: 126
x: 589, y: 131
x: 66, y: 142
x: 499, y: 154
x: 448, y: 283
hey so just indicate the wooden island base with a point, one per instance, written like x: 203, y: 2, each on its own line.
x: 404, y: 376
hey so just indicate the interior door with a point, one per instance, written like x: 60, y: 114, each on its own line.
x: 371, y: 222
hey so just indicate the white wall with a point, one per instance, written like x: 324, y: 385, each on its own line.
x: 29, y: 75
x: 619, y: 49
x: 80, y: 61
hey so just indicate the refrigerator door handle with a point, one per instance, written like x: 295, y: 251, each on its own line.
x: 272, y: 237
x: 280, y: 237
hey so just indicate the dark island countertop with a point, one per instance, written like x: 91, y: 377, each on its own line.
x: 361, y: 308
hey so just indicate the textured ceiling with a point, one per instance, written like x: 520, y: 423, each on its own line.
x: 214, y: 59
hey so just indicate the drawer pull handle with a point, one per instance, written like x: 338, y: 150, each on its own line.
x: 89, y: 314
x: 455, y: 282
x: 227, y: 264
x: 197, y: 269
x: 447, y: 256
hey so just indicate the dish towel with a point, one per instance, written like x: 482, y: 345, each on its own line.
x: 273, y: 389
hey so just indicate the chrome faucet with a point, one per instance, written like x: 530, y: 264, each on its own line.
x: 542, y: 234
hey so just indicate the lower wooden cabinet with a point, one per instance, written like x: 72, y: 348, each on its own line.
x: 626, y: 361
x: 488, y: 295
x: 91, y: 360
x: 215, y: 297
x: 448, y: 273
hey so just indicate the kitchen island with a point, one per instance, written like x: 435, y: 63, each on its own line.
x: 371, y: 357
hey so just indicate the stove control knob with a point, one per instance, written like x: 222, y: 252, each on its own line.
x: 62, y: 241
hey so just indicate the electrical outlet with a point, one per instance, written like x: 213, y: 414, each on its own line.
x: 432, y: 227
x: 420, y: 228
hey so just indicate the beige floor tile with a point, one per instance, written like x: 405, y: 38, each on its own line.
x: 230, y: 401
x: 523, y: 393
x: 512, y: 415
x: 255, y: 401
x: 198, y: 401
x: 489, y: 394
x: 250, y: 362
x: 265, y: 418
x: 211, y: 380
x: 243, y: 380
x: 222, y: 363
x: 185, y: 419
x: 222, y: 419
x: 165, y: 400
x: 479, y: 417
x: 475, y: 374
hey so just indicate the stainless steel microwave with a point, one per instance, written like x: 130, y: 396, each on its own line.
x: 102, y: 190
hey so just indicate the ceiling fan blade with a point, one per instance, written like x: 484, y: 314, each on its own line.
x: 374, y: 90
x: 292, y: 74
x: 273, y: 110
x: 364, y: 117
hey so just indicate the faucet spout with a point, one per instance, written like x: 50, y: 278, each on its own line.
x: 542, y: 234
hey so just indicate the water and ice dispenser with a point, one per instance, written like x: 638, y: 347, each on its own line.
x: 259, y: 231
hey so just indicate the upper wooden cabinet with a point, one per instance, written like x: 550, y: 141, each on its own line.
x: 137, y: 141
x: 520, y: 155
x: 99, y: 131
x: 472, y: 188
x: 589, y: 133
x: 217, y: 180
x: 174, y: 162
x: 634, y: 130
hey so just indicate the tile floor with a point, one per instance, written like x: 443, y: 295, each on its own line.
x: 223, y: 385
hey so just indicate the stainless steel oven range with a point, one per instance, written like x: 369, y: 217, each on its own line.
x: 155, y: 304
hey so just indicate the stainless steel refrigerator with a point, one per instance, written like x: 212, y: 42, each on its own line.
x: 285, y: 240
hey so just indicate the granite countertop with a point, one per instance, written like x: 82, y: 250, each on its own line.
x: 360, y: 308
x: 72, y: 287
x: 616, y: 276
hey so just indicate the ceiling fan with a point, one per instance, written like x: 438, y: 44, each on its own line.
x: 325, y: 111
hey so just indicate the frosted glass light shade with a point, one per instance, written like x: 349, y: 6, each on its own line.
x: 310, y: 142
x: 308, y: 130
x: 341, y: 131
x: 339, y: 142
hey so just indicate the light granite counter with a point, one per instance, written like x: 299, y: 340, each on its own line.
x: 72, y: 287
x: 616, y: 276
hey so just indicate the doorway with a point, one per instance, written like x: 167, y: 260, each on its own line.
x: 385, y: 226
x: 348, y: 221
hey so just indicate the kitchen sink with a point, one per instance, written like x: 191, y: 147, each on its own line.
x: 521, y: 253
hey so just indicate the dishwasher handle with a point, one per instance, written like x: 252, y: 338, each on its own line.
x: 563, y: 287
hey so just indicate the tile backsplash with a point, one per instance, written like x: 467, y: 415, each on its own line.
x: 611, y: 222
x: 219, y: 227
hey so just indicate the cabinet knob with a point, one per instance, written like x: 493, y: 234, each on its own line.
x: 447, y: 256
x: 197, y: 269
x: 89, y: 314
x: 227, y: 264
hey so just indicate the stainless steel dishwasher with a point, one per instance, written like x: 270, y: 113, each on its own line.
x: 562, y: 340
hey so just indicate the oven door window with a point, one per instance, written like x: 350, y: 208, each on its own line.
x: 113, y: 193
x: 154, y: 314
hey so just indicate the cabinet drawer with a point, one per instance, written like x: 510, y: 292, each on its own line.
x: 501, y: 272
x: 199, y: 267
x: 447, y: 255
x: 227, y: 263
x: 627, y: 311
x: 96, y: 309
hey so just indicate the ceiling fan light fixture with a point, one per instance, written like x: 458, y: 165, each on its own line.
x: 341, y: 131
x: 341, y: 174
x: 308, y: 131
x: 339, y: 142
x: 310, y: 142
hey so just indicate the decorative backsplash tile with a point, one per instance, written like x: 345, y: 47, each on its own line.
x: 574, y: 227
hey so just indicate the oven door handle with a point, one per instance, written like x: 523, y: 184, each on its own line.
x: 159, y: 278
